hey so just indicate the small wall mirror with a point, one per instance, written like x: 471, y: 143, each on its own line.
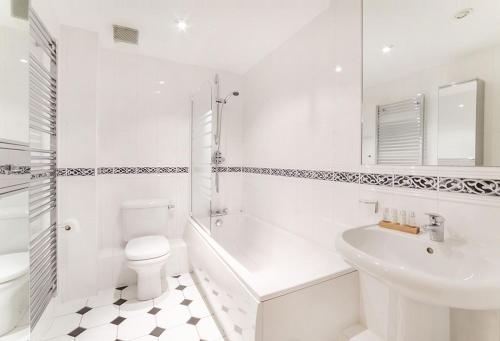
x: 431, y: 85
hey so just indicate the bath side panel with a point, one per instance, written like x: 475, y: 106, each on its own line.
x: 320, y: 312
x: 234, y: 308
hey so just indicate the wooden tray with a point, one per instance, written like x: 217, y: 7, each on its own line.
x: 398, y: 227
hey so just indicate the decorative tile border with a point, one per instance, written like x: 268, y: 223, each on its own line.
x: 75, y: 172
x: 416, y: 181
x: 376, y: 179
x: 484, y: 187
x: 141, y: 170
x: 487, y: 187
x: 119, y: 170
x: 21, y: 170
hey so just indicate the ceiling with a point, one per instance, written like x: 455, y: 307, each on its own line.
x: 424, y: 33
x: 232, y: 35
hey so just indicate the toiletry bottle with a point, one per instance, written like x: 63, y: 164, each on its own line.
x: 402, y: 217
x: 394, y: 218
x: 387, y: 214
x: 411, y: 219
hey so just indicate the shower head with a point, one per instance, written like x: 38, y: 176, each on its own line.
x: 224, y: 101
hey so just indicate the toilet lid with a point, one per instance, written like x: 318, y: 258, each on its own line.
x: 13, y: 265
x: 147, y: 247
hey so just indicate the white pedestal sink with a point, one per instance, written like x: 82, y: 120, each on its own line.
x: 437, y: 291
x: 449, y: 274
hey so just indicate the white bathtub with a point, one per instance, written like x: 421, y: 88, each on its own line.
x: 265, y: 284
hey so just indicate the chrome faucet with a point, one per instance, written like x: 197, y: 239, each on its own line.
x: 219, y: 212
x: 435, y: 227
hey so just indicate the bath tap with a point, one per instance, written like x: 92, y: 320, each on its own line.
x: 435, y: 227
x: 219, y: 212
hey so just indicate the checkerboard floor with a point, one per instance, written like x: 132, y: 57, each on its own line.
x: 180, y: 314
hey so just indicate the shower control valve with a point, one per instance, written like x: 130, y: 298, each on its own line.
x: 217, y: 158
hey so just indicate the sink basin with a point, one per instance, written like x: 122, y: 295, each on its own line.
x: 449, y: 274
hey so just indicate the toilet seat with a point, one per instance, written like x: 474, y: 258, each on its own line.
x: 148, y: 247
x: 13, y: 266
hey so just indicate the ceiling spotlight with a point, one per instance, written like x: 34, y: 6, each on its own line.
x: 338, y: 68
x: 24, y: 61
x: 463, y: 13
x: 182, y: 25
x: 161, y: 82
x: 387, y: 48
x: 461, y: 106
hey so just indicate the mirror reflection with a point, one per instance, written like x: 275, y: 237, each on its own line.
x: 14, y: 170
x: 431, y: 83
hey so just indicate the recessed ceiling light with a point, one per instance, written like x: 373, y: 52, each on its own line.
x: 387, y: 48
x: 463, y: 13
x: 157, y: 92
x: 338, y: 68
x: 161, y: 82
x: 182, y: 25
x: 461, y: 106
x: 22, y: 60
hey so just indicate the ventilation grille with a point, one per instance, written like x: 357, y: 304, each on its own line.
x: 19, y: 9
x: 125, y: 35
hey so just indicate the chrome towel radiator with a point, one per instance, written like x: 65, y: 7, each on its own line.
x: 42, y: 202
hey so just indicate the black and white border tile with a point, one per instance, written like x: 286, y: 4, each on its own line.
x: 119, y: 170
x: 475, y: 186
x: 487, y: 187
x: 484, y: 187
x: 75, y: 172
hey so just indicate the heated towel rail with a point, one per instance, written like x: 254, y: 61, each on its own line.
x: 42, y: 204
x: 400, y: 132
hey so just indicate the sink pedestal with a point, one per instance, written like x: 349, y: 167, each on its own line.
x: 394, y: 317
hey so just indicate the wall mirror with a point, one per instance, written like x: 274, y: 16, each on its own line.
x: 431, y: 82
x: 14, y: 170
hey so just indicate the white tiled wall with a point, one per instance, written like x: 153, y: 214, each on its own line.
x: 77, y: 102
x: 299, y: 113
x: 116, y: 110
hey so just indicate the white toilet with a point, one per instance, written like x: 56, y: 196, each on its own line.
x: 144, y: 226
x: 13, y: 289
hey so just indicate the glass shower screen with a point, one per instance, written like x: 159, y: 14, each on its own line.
x: 202, y: 122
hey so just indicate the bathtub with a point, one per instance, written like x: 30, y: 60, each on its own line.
x: 263, y: 283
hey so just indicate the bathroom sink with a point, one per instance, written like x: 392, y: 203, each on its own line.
x: 449, y: 274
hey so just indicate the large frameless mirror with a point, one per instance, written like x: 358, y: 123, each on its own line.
x: 14, y: 170
x: 431, y: 83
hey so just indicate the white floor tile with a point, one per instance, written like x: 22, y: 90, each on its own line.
x: 147, y: 338
x: 198, y: 308
x: 207, y: 329
x: 172, y: 283
x: 136, y: 326
x: 134, y: 307
x: 69, y: 307
x: 62, y: 325
x: 106, y: 332
x: 103, y: 297
x: 169, y: 299
x: 186, y: 280
x: 137, y: 322
x: 173, y: 316
x: 192, y: 293
x: 184, y: 332
x: 60, y: 338
x: 99, y: 316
